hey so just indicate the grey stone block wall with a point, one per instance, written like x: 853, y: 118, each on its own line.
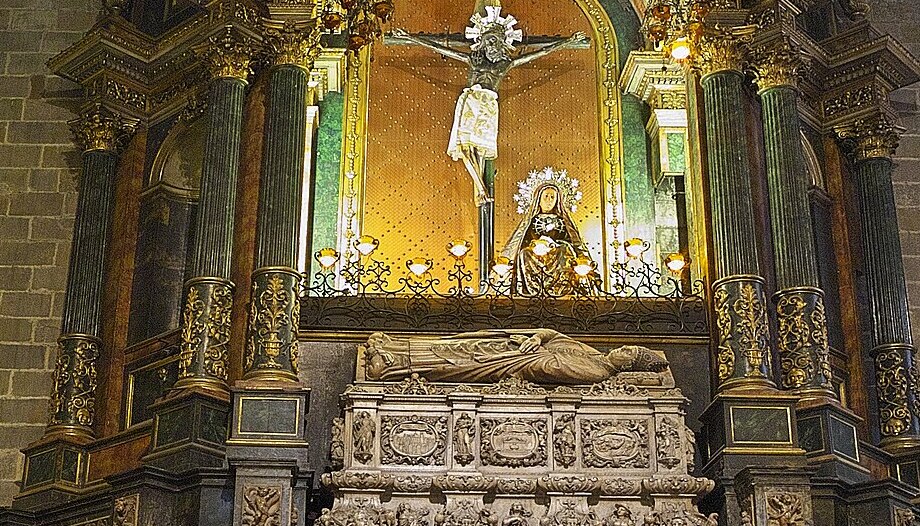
x: 38, y: 170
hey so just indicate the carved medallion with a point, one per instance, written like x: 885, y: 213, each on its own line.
x: 513, y: 442
x: 615, y: 443
x: 413, y: 440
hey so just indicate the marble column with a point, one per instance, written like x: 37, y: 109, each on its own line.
x: 896, y: 373
x: 208, y: 303
x: 802, y: 339
x: 742, y: 356
x: 271, y: 348
x: 73, y: 400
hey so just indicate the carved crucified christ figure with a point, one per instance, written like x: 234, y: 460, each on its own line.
x: 474, y: 135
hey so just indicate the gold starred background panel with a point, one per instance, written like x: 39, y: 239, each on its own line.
x: 416, y: 198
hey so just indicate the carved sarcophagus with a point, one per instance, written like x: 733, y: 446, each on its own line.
x: 425, y: 453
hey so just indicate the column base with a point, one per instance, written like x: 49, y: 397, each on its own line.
x: 189, y: 431
x: 267, y: 449
x: 55, y: 469
x: 827, y: 433
x: 750, y: 429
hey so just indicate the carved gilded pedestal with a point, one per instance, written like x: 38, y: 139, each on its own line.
x: 57, y: 462
x: 874, y: 140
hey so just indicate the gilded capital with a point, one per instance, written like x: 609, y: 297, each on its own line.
x: 292, y: 43
x: 776, y: 66
x: 721, y: 51
x: 873, y: 137
x: 227, y: 55
x: 100, y: 130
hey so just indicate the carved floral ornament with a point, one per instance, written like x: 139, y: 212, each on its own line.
x: 874, y: 137
x: 227, y: 54
x: 776, y: 66
x: 99, y: 129
x: 723, y: 49
x: 291, y: 42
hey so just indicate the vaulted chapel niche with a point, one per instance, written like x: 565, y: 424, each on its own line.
x: 560, y: 111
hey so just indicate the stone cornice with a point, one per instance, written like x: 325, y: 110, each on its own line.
x: 144, y: 77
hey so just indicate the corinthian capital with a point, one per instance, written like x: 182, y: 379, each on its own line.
x: 227, y: 54
x: 874, y: 137
x: 292, y: 42
x: 776, y: 66
x: 722, y: 49
x: 100, y: 129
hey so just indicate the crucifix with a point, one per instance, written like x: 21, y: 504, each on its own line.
x: 474, y: 134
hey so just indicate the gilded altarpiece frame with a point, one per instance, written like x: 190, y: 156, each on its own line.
x: 600, y: 215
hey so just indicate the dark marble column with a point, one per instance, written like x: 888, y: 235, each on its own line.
x: 73, y: 398
x: 802, y: 339
x: 208, y: 303
x: 743, y: 357
x: 893, y: 353
x: 271, y: 348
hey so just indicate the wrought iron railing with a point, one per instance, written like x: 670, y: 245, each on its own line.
x: 366, y: 294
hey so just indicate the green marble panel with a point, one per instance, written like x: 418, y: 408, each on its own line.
x: 676, y: 153
x: 843, y: 436
x: 811, y: 437
x: 147, y: 385
x: 761, y: 425
x: 213, y: 427
x: 639, y: 194
x: 270, y: 416
x: 41, y: 468
x: 70, y: 465
x: 328, y: 170
x: 174, y: 426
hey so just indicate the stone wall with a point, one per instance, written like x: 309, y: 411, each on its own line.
x: 901, y: 18
x: 38, y: 170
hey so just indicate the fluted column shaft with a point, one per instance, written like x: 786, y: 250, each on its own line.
x: 802, y: 338
x: 271, y: 349
x: 896, y: 375
x: 73, y: 399
x: 208, y: 302
x: 743, y: 357
x: 892, y: 351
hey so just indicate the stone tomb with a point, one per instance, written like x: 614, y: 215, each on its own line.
x: 513, y: 453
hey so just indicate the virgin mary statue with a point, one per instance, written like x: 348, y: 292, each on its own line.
x: 546, y: 246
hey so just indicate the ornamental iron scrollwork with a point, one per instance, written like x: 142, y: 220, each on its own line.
x: 73, y: 399
x: 609, y: 443
x: 366, y: 294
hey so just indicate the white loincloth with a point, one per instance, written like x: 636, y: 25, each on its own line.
x: 475, y: 124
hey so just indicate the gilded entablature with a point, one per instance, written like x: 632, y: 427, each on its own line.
x: 512, y: 452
